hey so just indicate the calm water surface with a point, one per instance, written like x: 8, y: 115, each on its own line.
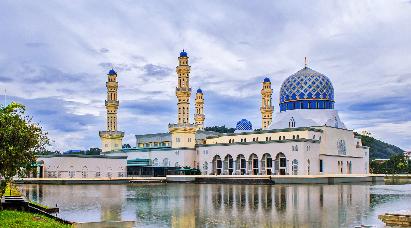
x: 212, y: 205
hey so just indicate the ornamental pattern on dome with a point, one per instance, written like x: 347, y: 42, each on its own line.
x: 306, y: 84
x: 244, y: 125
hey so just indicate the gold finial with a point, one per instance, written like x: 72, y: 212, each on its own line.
x: 305, y: 61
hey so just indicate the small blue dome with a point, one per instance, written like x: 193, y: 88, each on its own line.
x: 199, y: 91
x: 244, y: 125
x: 112, y: 72
x: 266, y: 80
x: 183, y: 54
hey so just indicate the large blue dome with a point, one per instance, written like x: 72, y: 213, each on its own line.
x: 306, y: 89
x: 244, y: 125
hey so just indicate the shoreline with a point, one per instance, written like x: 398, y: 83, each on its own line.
x: 220, y: 179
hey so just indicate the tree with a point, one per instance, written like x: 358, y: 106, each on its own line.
x: 126, y: 146
x: 20, y: 140
x: 220, y: 129
x: 93, y: 151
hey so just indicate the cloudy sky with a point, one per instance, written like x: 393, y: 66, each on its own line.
x: 54, y: 57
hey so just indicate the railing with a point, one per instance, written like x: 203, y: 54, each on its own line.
x: 183, y: 125
x: 83, y: 174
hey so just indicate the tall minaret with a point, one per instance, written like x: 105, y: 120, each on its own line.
x: 266, y: 105
x: 111, y: 139
x: 183, y: 133
x: 183, y: 90
x: 199, y: 117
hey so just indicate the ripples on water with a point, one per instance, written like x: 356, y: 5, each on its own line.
x: 194, y: 205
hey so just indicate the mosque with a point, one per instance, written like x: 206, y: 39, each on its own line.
x: 306, y: 137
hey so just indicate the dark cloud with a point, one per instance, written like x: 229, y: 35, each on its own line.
x: 104, y: 50
x: 6, y: 79
x: 156, y: 70
x: 53, y: 113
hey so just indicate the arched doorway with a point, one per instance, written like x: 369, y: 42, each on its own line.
x: 228, y: 165
x: 217, y: 165
x: 241, y: 164
x: 267, y: 164
x: 253, y: 164
x: 280, y: 164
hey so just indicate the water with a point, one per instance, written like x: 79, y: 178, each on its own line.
x: 213, y: 205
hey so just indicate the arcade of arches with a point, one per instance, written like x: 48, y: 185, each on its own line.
x: 253, y: 165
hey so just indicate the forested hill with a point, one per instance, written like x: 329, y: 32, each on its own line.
x: 378, y: 148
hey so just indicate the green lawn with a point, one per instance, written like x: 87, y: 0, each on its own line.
x: 25, y: 219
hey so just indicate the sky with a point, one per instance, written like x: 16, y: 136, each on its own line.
x: 55, y: 56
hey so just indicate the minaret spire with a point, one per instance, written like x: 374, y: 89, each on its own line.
x: 199, y: 117
x: 183, y: 133
x: 305, y: 62
x: 111, y: 138
x: 266, y: 104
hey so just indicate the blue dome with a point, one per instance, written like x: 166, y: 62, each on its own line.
x: 244, y: 125
x: 183, y: 54
x: 199, y: 91
x: 266, y: 80
x: 306, y: 89
x: 112, y: 72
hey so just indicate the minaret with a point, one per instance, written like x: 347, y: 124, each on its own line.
x: 183, y: 133
x: 199, y: 117
x: 266, y: 105
x: 111, y: 139
x: 183, y: 90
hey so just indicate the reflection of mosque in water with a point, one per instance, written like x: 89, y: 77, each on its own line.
x: 258, y: 205
x: 193, y: 205
x: 97, y: 202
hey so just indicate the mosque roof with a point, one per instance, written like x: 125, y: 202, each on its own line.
x: 183, y: 54
x: 306, y: 84
x: 199, y: 91
x: 244, y: 125
x: 112, y: 72
x: 266, y: 80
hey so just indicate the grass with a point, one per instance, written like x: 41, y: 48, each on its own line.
x: 25, y: 219
x: 40, y: 205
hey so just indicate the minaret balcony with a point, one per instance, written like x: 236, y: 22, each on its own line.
x: 111, y: 134
x: 112, y: 103
x: 267, y: 108
x: 183, y: 89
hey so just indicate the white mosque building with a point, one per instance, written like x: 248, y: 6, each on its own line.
x: 306, y: 137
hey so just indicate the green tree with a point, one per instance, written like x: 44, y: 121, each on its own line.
x: 20, y: 140
x: 220, y: 129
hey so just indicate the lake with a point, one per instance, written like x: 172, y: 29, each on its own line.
x: 217, y: 205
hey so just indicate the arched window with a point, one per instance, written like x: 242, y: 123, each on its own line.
x: 279, y: 137
x: 294, y: 167
x: 283, y: 137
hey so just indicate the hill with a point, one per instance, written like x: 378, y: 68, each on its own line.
x: 378, y: 148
